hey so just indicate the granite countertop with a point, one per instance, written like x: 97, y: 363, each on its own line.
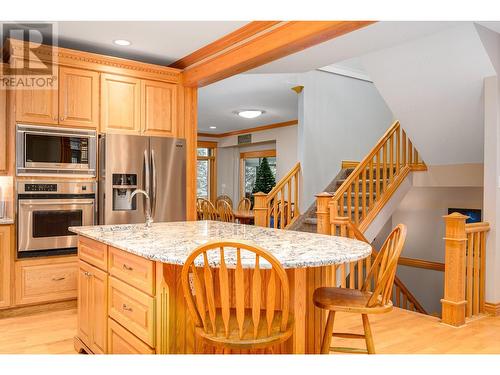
x: 173, y: 242
x: 6, y: 220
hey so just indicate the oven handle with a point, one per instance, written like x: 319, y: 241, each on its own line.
x: 54, y: 202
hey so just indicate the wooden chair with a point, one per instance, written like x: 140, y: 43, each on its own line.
x: 245, y: 204
x: 199, y: 211
x: 225, y: 212
x: 207, y: 210
x: 227, y: 326
x: 224, y: 198
x: 363, y: 301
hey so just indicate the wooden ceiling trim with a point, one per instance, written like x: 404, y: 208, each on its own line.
x: 283, y: 40
x: 250, y: 130
x: 230, y: 40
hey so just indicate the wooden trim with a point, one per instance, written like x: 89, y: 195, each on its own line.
x: 237, y: 36
x: 108, y: 64
x: 207, y: 144
x: 279, y: 41
x: 37, y: 308
x: 492, y: 308
x: 258, y: 154
x: 420, y: 263
x: 349, y: 164
x: 251, y: 130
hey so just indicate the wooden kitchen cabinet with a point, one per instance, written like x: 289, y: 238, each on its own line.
x: 159, y: 107
x: 120, y: 104
x: 78, y: 97
x: 92, y: 307
x: 36, y: 105
x: 5, y: 253
x: 3, y: 130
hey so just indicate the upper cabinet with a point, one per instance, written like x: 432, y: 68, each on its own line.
x: 136, y: 106
x: 159, y: 106
x: 78, y: 97
x: 37, y: 105
x: 120, y: 104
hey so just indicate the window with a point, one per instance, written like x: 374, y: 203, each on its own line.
x: 249, y: 162
x: 206, y: 170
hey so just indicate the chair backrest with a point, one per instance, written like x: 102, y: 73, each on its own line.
x: 199, y: 211
x: 201, y: 300
x: 207, y: 210
x: 224, y: 197
x: 383, y: 269
x: 225, y: 211
x: 244, y: 205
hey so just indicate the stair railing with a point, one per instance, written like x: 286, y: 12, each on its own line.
x: 465, y: 269
x: 379, y: 174
x: 280, y: 207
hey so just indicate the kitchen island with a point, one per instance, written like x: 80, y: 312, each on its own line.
x: 130, y: 296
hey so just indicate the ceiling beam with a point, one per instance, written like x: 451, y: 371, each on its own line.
x: 227, y: 41
x: 276, y: 41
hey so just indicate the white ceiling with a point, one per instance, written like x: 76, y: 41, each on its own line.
x: 157, y: 42
x: 269, y: 92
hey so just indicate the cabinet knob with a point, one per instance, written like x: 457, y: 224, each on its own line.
x: 87, y: 273
x: 126, y: 308
x: 61, y: 118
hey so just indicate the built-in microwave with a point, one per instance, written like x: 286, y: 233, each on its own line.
x: 44, y: 150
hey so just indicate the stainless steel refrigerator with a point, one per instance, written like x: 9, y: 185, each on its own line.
x: 156, y: 165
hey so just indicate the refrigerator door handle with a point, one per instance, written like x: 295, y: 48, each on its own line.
x: 154, y: 183
x: 145, y: 179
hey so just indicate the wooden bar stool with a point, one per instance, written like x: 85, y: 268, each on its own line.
x: 363, y: 301
x: 234, y: 326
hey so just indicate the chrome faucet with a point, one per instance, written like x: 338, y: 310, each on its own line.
x: 149, y: 218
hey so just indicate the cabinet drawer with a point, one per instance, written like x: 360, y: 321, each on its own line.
x: 93, y: 252
x: 132, y: 269
x: 133, y: 309
x: 46, y: 280
x: 121, y: 341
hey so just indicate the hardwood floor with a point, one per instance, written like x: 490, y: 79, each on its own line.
x: 399, y: 331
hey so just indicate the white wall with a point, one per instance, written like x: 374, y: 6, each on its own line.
x: 340, y: 118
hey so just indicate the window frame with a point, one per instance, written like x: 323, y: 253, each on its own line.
x: 212, y: 168
x: 251, y: 155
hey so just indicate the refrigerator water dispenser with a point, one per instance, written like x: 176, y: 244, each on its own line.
x: 123, y: 186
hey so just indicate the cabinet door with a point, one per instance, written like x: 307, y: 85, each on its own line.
x: 159, y: 104
x: 98, y: 311
x: 120, y: 104
x: 37, y: 105
x: 5, y: 250
x: 84, y: 296
x: 78, y: 97
x: 121, y: 341
x: 3, y: 129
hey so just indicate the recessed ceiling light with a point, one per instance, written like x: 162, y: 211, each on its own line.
x: 213, y: 127
x: 250, y: 113
x: 122, y: 42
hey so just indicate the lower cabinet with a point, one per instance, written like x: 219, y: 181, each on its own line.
x: 92, y: 307
x: 121, y: 341
x: 5, y: 251
x: 45, y: 280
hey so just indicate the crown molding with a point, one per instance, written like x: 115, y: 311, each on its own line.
x: 250, y: 130
x: 15, y: 49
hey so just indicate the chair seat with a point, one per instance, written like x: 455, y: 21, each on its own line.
x: 347, y: 300
x: 248, y: 341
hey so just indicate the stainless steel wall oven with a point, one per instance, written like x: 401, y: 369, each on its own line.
x: 45, y: 211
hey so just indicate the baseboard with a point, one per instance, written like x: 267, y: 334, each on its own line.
x: 34, y: 309
x: 492, y: 308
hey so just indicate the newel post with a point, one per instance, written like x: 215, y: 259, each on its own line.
x: 454, y: 303
x: 260, y: 209
x: 323, y: 213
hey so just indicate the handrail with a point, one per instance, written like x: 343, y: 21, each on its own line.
x: 279, y: 208
x: 379, y: 174
x: 421, y: 263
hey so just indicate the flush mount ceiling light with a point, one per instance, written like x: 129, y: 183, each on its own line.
x: 250, y: 113
x: 122, y: 42
x: 212, y: 127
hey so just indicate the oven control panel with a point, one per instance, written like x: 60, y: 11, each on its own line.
x: 40, y: 187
